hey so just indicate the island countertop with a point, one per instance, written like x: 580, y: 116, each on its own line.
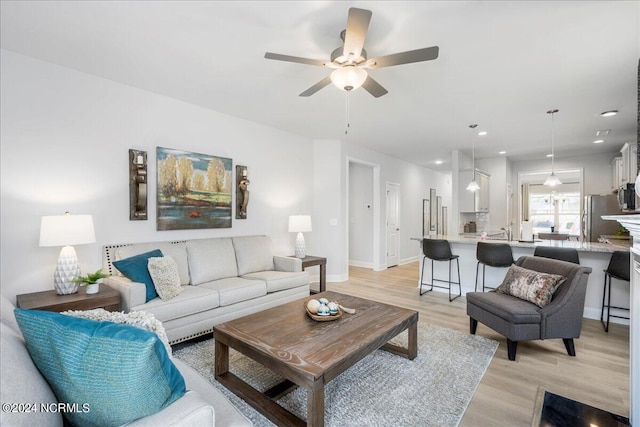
x: 619, y: 245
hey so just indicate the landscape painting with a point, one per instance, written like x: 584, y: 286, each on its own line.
x: 194, y: 190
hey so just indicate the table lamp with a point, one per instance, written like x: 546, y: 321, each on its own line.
x: 66, y: 230
x: 299, y: 224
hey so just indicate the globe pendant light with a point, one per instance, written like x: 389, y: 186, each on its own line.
x: 473, y: 185
x: 552, y: 180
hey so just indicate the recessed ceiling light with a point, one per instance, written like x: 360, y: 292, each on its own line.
x: 502, y: 152
x: 598, y: 141
x: 438, y: 162
x: 603, y: 132
x: 482, y: 133
x: 609, y: 113
x: 549, y: 155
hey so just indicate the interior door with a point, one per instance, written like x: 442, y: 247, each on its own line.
x: 393, y: 223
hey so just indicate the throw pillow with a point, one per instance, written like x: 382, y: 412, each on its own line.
x: 135, y: 269
x: 108, y: 374
x: 165, y: 276
x: 530, y: 285
x: 139, y: 318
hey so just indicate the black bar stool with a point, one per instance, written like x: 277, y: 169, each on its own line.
x: 562, y: 254
x: 619, y: 268
x: 439, y: 250
x: 493, y: 255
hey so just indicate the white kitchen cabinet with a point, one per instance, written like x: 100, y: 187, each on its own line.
x: 629, y: 162
x: 616, y: 173
x: 477, y: 201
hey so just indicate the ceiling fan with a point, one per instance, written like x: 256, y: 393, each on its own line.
x: 350, y: 62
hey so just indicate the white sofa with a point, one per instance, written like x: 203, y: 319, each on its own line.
x: 222, y: 278
x: 22, y: 383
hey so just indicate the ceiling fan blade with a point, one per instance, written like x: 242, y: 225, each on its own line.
x: 418, y: 55
x: 288, y: 58
x: 374, y: 88
x: 316, y: 87
x: 357, y: 25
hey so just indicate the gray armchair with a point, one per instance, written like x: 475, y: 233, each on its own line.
x: 519, y: 320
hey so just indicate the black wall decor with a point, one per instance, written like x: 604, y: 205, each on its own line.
x: 137, y: 185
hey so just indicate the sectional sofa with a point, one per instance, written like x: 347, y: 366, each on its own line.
x: 222, y: 279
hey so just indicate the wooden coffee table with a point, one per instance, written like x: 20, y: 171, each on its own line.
x: 307, y: 353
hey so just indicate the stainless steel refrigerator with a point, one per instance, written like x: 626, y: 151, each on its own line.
x: 593, y: 226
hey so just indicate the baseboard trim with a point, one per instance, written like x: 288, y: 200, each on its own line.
x: 409, y: 260
x: 363, y: 264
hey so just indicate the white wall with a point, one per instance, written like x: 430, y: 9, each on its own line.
x: 360, y: 215
x: 415, y: 182
x: 64, y: 144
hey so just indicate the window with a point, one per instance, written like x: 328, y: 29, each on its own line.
x: 559, y: 208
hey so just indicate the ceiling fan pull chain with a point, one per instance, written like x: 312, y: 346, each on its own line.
x: 346, y: 131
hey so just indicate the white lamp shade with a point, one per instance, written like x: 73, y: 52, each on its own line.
x: 299, y: 223
x: 473, y: 186
x: 348, y: 77
x: 552, y: 180
x: 65, y: 230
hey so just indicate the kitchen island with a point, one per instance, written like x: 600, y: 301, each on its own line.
x: 592, y: 254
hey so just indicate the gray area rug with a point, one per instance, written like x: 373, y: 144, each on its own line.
x: 382, y: 389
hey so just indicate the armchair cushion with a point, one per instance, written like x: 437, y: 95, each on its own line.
x: 529, y: 285
x: 114, y: 373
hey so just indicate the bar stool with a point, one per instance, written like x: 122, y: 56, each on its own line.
x: 493, y: 255
x: 439, y: 250
x: 619, y: 268
x: 562, y: 254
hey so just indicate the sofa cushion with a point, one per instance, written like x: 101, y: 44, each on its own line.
x: 21, y: 382
x: 176, y: 250
x: 6, y: 314
x: 236, y: 289
x: 166, y: 280
x: 253, y: 253
x: 192, y: 300
x: 529, y: 285
x: 136, y: 269
x: 211, y: 259
x: 512, y: 309
x: 280, y: 280
x: 115, y: 373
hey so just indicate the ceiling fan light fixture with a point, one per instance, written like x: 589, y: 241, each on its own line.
x: 349, y: 77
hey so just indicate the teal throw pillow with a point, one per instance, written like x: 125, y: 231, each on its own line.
x: 106, y: 374
x: 136, y: 269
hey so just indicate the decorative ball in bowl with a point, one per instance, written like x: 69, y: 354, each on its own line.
x: 322, y: 312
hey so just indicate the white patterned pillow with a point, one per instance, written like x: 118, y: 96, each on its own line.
x: 139, y: 318
x: 165, y: 276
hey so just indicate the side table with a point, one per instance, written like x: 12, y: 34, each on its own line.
x: 107, y: 298
x: 310, y: 261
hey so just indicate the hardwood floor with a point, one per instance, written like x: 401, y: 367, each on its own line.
x: 597, y: 376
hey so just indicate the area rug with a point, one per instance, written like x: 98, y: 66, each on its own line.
x: 382, y: 389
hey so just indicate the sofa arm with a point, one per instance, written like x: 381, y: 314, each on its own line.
x: 189, y: 410
x: 131, y: 293
x: 287, y: 263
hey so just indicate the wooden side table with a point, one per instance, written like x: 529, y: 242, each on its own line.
x: 107, y: 298
x: 310, y: 261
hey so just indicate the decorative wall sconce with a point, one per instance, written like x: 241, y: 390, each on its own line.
x: 242, y: 193
x: 137, y: 185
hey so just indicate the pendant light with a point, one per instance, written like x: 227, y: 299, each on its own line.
x: 473, y: 185
x: 552, y: 180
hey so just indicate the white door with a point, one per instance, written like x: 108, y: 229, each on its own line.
x: 393, y: 223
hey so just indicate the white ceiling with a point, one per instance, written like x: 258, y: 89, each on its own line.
x: 502, y: 65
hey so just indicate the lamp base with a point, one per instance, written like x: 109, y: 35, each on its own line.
x: 66, y: 271
x: 300, y: 249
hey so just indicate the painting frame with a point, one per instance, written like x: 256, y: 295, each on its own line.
x: 426, y: 217
x: 194, y: 190
x: 433, y: 217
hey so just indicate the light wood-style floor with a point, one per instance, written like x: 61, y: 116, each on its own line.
x: 597, y: 376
